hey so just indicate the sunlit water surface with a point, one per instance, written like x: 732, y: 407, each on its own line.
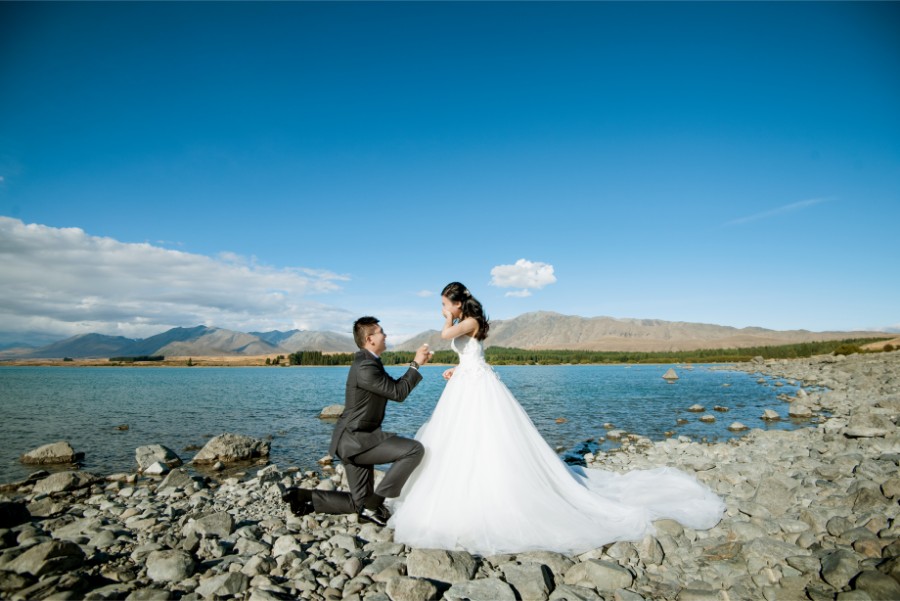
x: 181, y: 407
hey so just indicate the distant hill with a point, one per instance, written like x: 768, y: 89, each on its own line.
x: 217, y: 341
x: 84, y: 345
x: 199, y: 341
x: 540, y: 330
x: 274, y: 337
x: 327, y: 342
x: 15, y: 349
x: 548, y: 330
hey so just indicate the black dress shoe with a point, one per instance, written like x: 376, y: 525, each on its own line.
x: 378, y: 516
x: 299, y: 499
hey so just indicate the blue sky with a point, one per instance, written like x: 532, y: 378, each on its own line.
x: 264, y: 166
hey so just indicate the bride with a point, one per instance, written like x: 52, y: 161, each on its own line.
x: 490, y: 484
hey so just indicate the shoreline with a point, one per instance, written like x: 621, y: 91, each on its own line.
x: 260, y: 360
x: 811, y: 514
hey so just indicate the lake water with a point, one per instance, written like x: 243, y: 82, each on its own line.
x: 178, y: 407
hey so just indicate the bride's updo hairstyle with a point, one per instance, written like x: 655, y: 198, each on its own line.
x: 458, y: 293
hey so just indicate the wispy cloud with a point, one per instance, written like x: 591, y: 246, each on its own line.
x: 425, y: 293
x: 524, y: 293
x: 525, y: 275
x: 65, y: 281
x: 788, y: 208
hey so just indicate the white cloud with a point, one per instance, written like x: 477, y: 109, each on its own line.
x: 425, y: 293
x: 66, y: 282
x: 795, y: 206
x: 525, y: 275
x: 519, y: 293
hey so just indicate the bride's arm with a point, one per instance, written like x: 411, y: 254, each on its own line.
x: 467, y: 326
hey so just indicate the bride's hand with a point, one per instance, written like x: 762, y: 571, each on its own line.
x: 449, y: 373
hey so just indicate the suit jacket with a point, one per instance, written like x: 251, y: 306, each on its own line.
x: 369, y: 388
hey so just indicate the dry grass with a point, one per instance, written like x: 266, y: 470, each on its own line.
x: 221, y: 361
x: 878, y: 346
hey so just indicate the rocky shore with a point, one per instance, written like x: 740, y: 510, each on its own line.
x: 811, y: 514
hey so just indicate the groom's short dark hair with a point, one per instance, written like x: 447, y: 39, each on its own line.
x: 362, y: 327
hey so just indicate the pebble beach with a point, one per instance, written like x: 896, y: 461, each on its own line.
x: 811, y: 514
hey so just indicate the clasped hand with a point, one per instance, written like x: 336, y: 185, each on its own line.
x: 423, y: 355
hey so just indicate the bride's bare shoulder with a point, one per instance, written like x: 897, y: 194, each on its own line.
x: 466, y: 327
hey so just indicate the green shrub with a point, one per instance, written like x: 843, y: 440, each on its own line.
x: 847, y: 349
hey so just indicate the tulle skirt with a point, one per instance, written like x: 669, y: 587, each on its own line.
x: 490, y: 484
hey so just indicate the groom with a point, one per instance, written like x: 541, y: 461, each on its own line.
x: 358, y: 439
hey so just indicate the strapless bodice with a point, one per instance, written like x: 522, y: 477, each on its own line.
x: 471, y: 355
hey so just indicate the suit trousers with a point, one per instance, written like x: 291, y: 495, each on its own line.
x: 404, y: 453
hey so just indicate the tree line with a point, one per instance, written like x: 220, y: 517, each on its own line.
x: 498, y: 355
x: 137, y: 358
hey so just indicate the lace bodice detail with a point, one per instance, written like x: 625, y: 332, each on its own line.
x: 471, y: 356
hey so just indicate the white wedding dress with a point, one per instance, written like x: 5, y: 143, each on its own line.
x: 490, y: 484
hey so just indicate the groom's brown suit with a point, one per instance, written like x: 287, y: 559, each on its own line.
x: 360, y: 442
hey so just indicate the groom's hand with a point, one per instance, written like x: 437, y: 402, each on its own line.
x: 423, y: 355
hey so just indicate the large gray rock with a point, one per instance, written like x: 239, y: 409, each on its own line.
x: 877, y: 585
x: 869, y: 426
x: 169, y: 565
x: 219, y: 524
x: 531, y: 581
x: 284, y: 544
x: 772, y: 549
x: 770, y: 415
x: 231, y: 448
x: 10, y: 581
x: 839, y: 567
x: 57, y: 452
x: 650, y: 551
x: 891, y: 488
x: 178, y: 478
x: 568, y: 592
x: 223, y: 585
x: 483, y: 589
x: 62, y: 481
x: 51, y: 557
x: 147, y: 455
x: 401, y: 588
x: 47, y: 507
x: 698, y: 594
x: 800, y: 410
x: 558, y: 563
x: 601, y: 575
x: 440, y: 565
x: 774, y: 495
x: 332, y: 412
x: 871, y: 499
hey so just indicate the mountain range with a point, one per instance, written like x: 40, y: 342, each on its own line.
x: 548, y: 330
x: 539, y: 330
x: 199, y: 341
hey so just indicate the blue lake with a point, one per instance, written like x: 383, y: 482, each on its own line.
x: 178, y: 407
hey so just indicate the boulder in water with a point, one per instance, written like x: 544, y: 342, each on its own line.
x: 57, y: 452
x: 332, y: 412
x: 231, y: 448
x: 147, y: 455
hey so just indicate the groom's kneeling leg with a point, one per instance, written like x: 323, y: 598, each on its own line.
x: 335, y: 502
x: 409, y: 456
